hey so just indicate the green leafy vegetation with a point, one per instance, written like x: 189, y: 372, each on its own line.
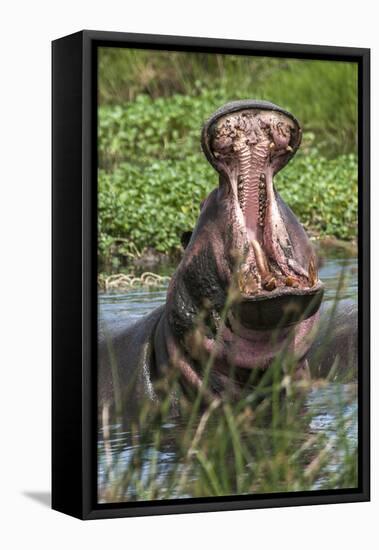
x: 152, y: 172
x: 322, y: 94
x: 323, y: 193
x: 153, y: 206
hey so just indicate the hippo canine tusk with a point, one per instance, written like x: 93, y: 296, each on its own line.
x: 260, y: 259
x: 312, y: 272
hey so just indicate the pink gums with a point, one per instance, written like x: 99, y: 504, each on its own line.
x: 252, y: 165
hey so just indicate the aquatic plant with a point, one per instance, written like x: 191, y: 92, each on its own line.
x: 152, y: 173
x: 151, y: 205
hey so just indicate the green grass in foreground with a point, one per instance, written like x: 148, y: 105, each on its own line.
x: 273, y: 438
x: 264, y: 443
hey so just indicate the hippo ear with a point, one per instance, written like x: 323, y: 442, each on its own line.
x: 203, y: 202
x: 185, y: 238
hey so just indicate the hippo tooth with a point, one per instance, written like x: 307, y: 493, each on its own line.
x: 312, y: 272
x: 260, y: 259
x: 290, y: 281
x: 247, y: 283
x: 269, y: 283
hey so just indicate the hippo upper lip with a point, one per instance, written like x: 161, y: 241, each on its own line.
x: 240, y: 105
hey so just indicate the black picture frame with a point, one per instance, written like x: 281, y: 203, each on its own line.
x: 74, y: 270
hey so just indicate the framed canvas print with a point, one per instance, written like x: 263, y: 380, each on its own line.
x: 210, y: 274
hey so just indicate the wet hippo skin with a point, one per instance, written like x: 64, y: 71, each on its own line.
x: 247, y: 286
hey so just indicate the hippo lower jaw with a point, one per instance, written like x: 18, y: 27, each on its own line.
x: 282, y: 307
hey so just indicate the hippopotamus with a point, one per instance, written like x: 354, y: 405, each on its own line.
x: 247, y: 286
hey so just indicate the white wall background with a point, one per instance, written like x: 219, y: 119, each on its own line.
x: 26, y: 31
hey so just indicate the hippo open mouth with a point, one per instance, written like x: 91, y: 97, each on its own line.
x: 248, y: 142
x: 246, y: 294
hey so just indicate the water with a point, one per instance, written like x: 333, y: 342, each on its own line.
x: 326, y: 407
x: 131, y: 306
